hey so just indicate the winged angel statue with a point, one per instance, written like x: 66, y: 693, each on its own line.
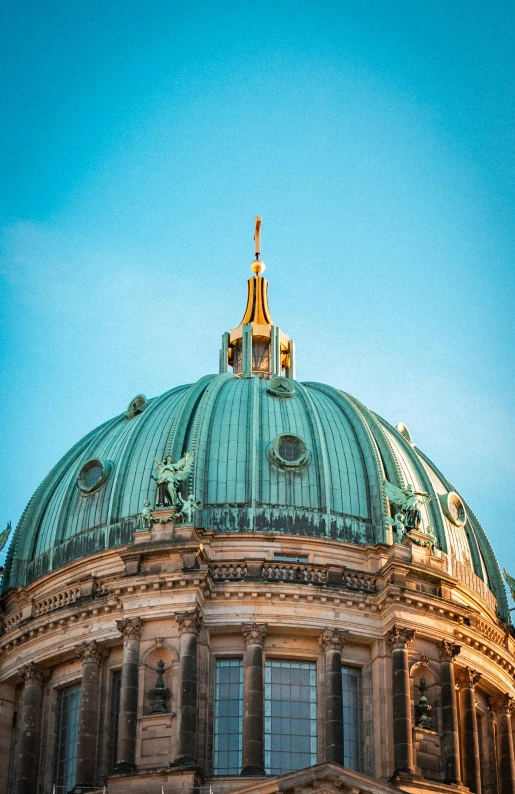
x: 409, y: 502
x: 510, y: 581
x: 169, y: 477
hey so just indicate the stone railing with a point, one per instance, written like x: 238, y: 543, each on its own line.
x: 276, y: 572
x: 296, y: 573
x: 473, y: 582
x: 228, y: 571
x: 12, y: 621
x: 491, y: 632
x: 57, y: 600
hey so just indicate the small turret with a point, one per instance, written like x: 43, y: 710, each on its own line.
x: 257, y: 346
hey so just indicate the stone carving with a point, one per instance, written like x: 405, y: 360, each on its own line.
x: 160, y: 692
x: 467, y: 678
x: 254, y: 633
x: 423, y: 708
x: 502, y: 704
x: 189, y: 507
x: 32, y: 673
x: 146, y: 515
x: 448, y: 650
x: 91, y: 652
x: 423, y: 661
x: 332, y: 639
x: 424, y: 537
x: 130, y: 628
x: 399, y: 637
x: 170, y: 476
x: 409, y: 502
x: 189, y: 622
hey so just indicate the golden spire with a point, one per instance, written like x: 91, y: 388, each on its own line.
x: 257, y: 266
x: 257, y: 346
x: 257, y: 310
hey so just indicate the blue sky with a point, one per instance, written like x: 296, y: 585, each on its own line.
x: 376, y: 140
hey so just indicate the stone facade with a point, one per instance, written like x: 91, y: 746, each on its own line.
x: 189, y: 596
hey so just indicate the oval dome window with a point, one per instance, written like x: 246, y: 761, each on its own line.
x: 93, y: 474
x: 454, y: 508
x: 136, y: 406
x: 289, y: 452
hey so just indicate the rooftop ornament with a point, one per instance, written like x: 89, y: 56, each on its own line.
x: 160, y: 692
x: 257, y: 347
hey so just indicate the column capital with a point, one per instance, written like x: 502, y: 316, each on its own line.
x: 91, y: 652
x: 189, y: 622
x: 448, y: 650
x: 130, y: 628
x: 332, y: 639
x: 254, y: 633
x: 400, y: 637
x: 33, y: 673
x: 466, y: 678
x: 502, y: 704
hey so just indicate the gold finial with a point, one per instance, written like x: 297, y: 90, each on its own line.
x: 257, y: 266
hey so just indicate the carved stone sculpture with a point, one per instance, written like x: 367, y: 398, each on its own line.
x: 146, y: 515
x: 170, y: 476
x: 160, y: 692
x: 189, y: 507
x: 409, y: 502
x: 423, y: 708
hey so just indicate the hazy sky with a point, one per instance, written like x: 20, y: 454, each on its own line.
x: 376, y: 139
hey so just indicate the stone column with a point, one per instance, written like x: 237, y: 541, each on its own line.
x: 30, y: 729
x: 128, y: 719
x: 332, y: 641
x: 189, y: 627
x: 467, y: 679
x: 92, y: 656
x: 400, y: 639
x: 450, y: 735
x: 253, y: 760
x: 503, y: 706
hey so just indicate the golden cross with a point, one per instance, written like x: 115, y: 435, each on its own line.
x: 257, y: 236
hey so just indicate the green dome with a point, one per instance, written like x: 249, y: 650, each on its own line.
x: 272, y: 456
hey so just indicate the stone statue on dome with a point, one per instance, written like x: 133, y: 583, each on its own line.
x: 409, y: 502
x: 170, y: 476
x: 189, y: 507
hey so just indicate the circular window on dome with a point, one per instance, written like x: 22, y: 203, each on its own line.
x: 93, y: 474
x: 136, y: 406
x: 454, y: 508
x: 281, y: 387
x: 289, y: 452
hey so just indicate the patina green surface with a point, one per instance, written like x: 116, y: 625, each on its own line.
x: 229, y: 424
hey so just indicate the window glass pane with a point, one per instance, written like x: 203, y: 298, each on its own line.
x: 352, y: 719
x: 114, y: 714
x: 228, y: 717
x: 290, y: 716
x: 66, y: 734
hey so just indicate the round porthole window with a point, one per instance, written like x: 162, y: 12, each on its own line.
x: 136, y: 406
x: 93, y: 474
x: 289, y: 452
x: 281, y: 387
x: 454, y: 509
